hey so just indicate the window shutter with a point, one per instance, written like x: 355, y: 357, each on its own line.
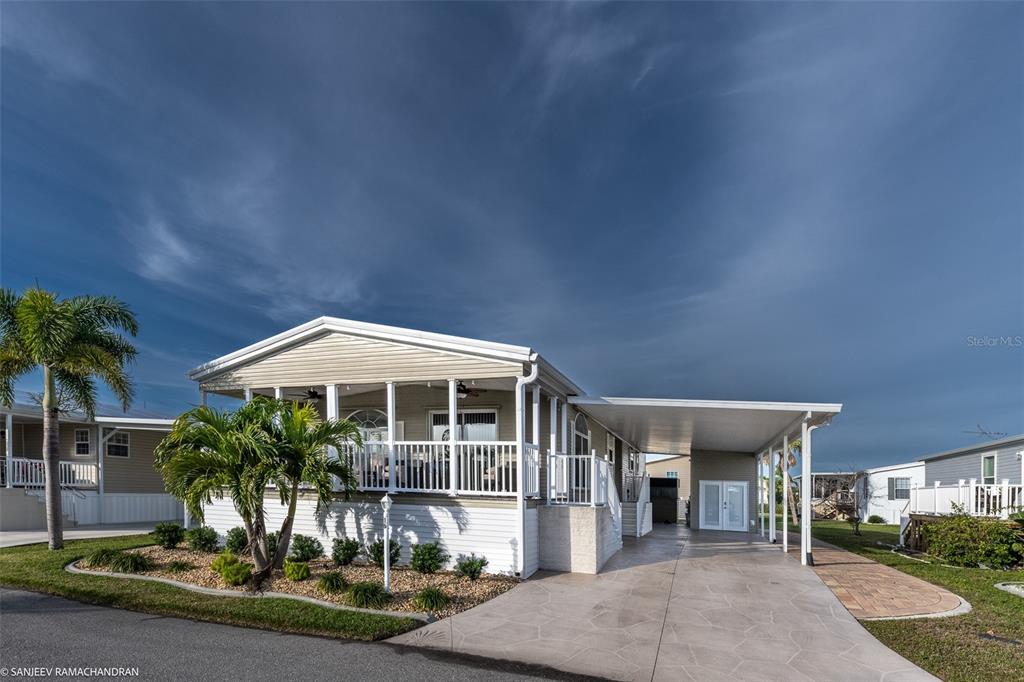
x: 892, y: 488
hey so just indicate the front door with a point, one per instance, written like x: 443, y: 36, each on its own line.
x: 723, y: 505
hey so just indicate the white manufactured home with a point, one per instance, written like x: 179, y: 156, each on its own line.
x: 489, y: 449
x: 106, y: 469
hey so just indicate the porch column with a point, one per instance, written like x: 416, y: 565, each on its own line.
x: 279, y: 395
x: 771, y: 493
x: 101, y: 447
x: 536, y: 415
x: 565, y: 428
x: 520, y: 478
x: 202, y: 397
x: 247, y: 394
x: 8, y: 449
x: 553, y: 447
x: 760, y: 493
x: 392, y: 473
x: 453, y: 436
x: 785, y: 493
x: 806, y: 558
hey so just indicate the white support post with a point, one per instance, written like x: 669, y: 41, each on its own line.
x: 960, y: 493
x: 935, y: 497
x: 972, y: 498
x: 535, y: 415
x: 392, y: 468
x: 453, y: 436
x: 520, y: 478
x: 247, y: 394
x: 332, y: 410
x: 101, y: 447
x: 202, y: 397
x: 760, y: 494
x: 593, y: 478
x: 553, y: 428
x: 8, y: 449
x: 1004, y: 500
x: 806, y: 557
x: 279, y: 395
x: 565, y: 428
x: 785, y: 493
x: 771, y: 494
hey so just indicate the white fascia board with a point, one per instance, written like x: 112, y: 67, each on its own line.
x: 457, y: 344
x: 136, y: 423
x: 830, y: 408
x: 893, y: 467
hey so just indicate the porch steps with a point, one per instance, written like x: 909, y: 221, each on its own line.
x: 629, y: 519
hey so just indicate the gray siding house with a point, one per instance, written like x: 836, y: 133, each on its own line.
x: 990, y: 463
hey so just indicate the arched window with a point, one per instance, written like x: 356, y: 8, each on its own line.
x: 373, y: 424
x: 581, y: 435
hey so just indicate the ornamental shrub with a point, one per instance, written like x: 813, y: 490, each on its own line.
x: 368, y: 595
x: 376, y: 552
x: 875, y: 518
x: 223, y: 560
x: 296, y: 570
x: 129, y: 562
x: 333, y: 582
x: 306, y: 548
x: 168, y: 535
x: 202, y: 539
x: 236, y: 540
x: 178, y: 566
x: 428, y: 557
x: 102, y: 557
x: 236, y: 574
x: 431, y: 599
x: 963, y: 540
x: 470, y: 566
x: 344, y: 551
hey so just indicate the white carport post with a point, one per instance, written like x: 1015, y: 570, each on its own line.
x: 553, y: 447
x: 806, y: 559
x: 453, y: 436
x: 247, y: 394
x: 771, y: 493
x: 8, y: 449
x: 784, y: 463
x: 392, y: 427
x: 760, y: 492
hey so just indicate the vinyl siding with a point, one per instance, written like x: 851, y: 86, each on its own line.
x: 461, y: 528
x: 28, y: 441
x: 340, y: 358
x: 135, y: 473
x: 949, y: 470
x: 721, y: 466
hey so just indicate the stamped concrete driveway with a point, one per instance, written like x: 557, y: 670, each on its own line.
x: 677, y: 605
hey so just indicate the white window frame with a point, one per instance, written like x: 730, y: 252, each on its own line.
x: 576, y: 432
x: 896, y: 487
x: 87, y: 441
x: 671, y: 474
x: 995, y: 468
x: 462, y: 411
x: 107, y: 441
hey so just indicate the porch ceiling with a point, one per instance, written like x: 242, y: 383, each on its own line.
x: 677, y: 427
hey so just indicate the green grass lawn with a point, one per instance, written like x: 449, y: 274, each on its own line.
x: 35, y: 568
x: 957, y: 648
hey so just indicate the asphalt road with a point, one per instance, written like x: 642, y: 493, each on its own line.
x: 39, y: 631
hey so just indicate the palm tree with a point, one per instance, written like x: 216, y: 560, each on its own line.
x: 209, y: 452
x: 303, y: 440
x: 73, y: 341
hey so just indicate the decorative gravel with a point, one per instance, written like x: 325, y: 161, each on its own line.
x: 405, y: 583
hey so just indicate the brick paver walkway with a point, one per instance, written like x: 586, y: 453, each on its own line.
x: 870, y: 590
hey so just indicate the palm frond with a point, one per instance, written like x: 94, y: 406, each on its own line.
x: 76, y: 391
x: 101, y: 312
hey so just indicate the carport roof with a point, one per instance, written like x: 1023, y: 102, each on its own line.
x: 677, y: 427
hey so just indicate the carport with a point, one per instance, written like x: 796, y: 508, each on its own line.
x: 732, y: 446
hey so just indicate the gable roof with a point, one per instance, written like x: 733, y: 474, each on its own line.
x: 412, y: 337
x: 990, y: 445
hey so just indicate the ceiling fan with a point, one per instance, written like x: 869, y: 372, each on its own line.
x: 311, y: 395
x: 462, y: 390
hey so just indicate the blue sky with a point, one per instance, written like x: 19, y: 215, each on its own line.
x: 807, y: 202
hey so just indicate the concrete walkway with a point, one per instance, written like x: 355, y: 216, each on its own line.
x: 13, y: 538
x: 677, y: 605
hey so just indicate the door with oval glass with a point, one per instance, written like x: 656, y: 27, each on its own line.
x: 723, y: 505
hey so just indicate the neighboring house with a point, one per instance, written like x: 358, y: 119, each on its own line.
x: 885, y: 491
x: 984, y: 479
x: 489, y: 449
x: 106, y: 468
x: 677, y: 467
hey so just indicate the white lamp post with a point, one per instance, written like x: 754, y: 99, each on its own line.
x: 385, y: 503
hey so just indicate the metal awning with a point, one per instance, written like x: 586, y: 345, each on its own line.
x: 677, y: 427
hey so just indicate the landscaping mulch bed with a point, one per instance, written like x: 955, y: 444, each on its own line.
x: 405, y: 583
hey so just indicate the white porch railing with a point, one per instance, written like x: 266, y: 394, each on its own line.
x: 482, y: 467
x: 631, y: 485
x: 977, y: 499
x: 578, y: 479
x: 31, y: 473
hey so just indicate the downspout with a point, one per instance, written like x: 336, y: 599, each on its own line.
x: 521, y: 383
x: 807, y: 555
